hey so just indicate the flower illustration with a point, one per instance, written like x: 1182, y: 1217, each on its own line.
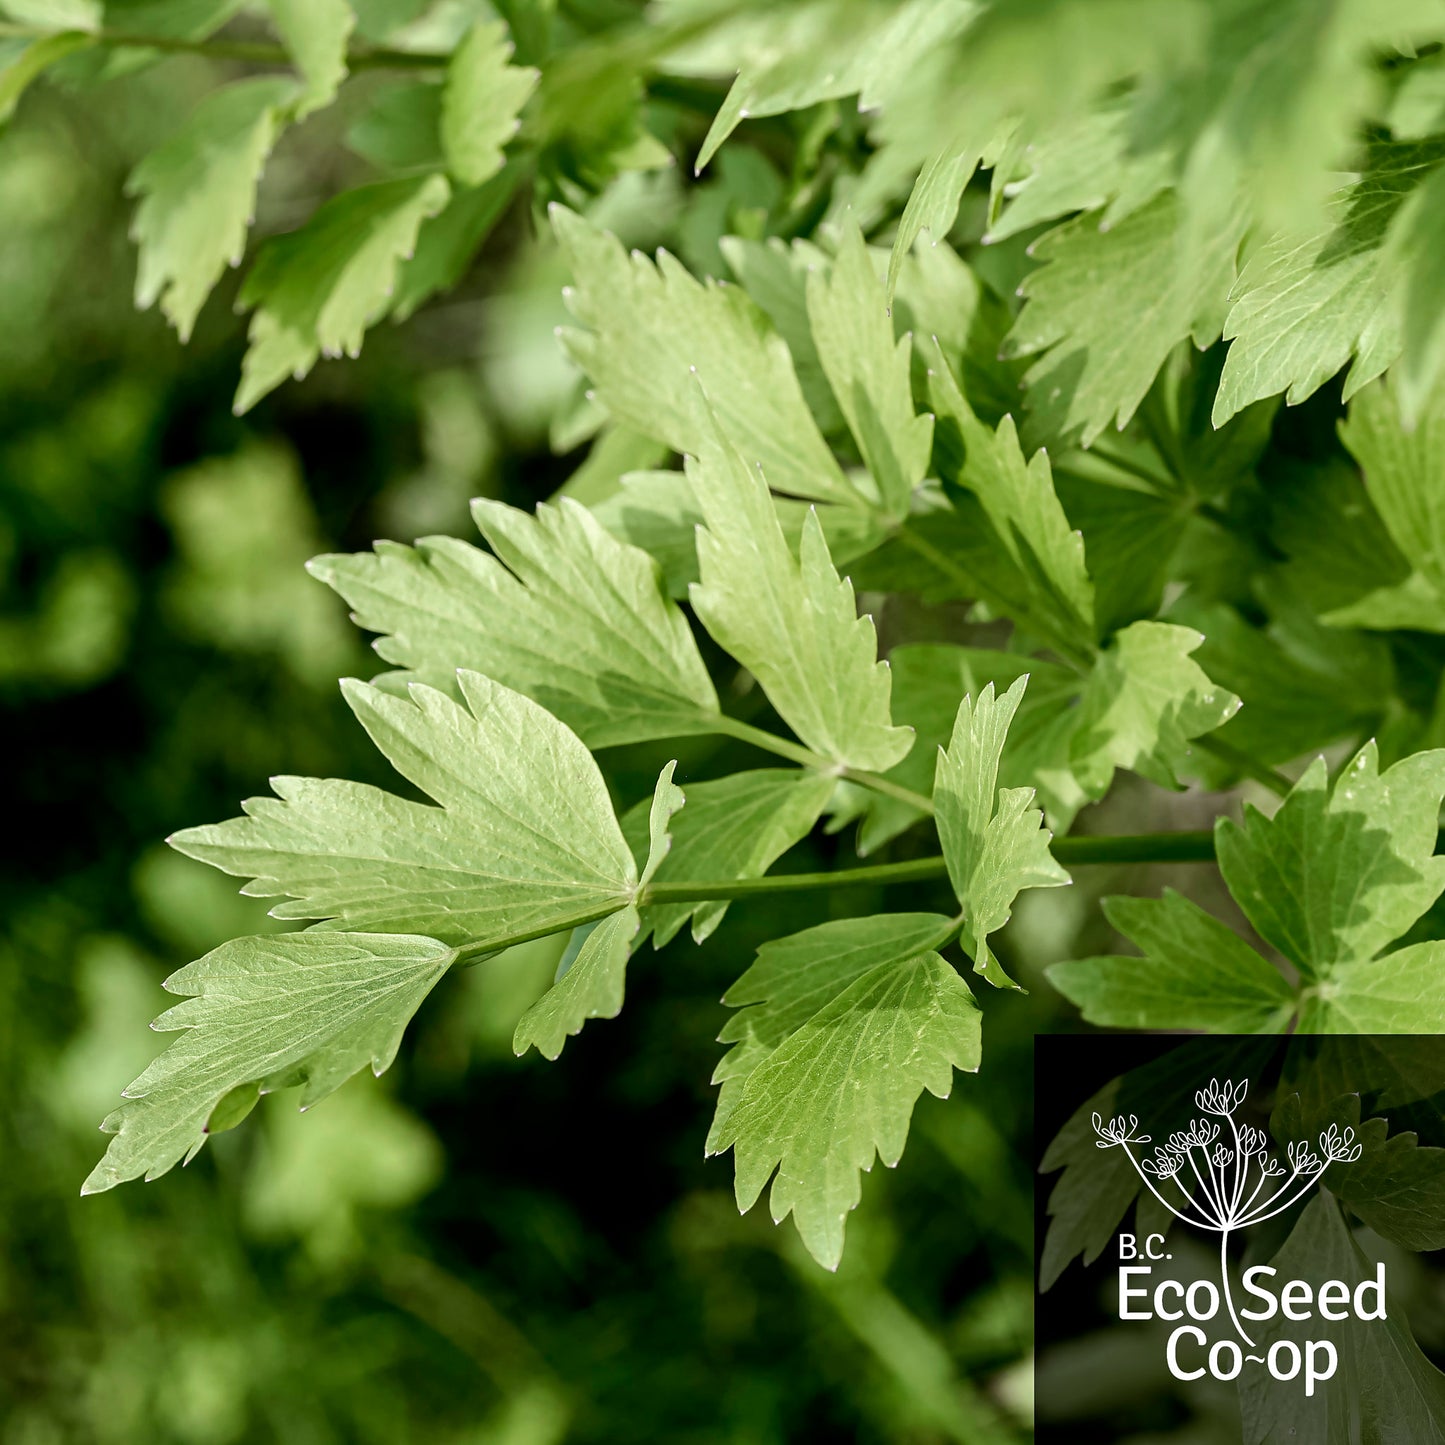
x: 1251, y: 1141
x: 1340, y: 1147
x: 1118, y: 1130
x: 1221, y: 1099
x: 1164, y: 1164
x: 1199, y: 1135
x: 1303, y: 1159
x: 1222, y: 1155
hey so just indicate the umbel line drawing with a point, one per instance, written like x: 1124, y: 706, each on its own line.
x: 1220, y: 1199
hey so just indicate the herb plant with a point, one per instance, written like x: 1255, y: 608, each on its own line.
x: 1054, y: 391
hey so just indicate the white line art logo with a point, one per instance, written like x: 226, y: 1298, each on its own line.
x: 1213, y: 1180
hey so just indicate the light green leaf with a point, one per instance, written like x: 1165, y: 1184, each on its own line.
x: 19, y: 67
x: 658, y: 512
x: 316, y: 290
x: 524, y: 841
x: 797, y: 55
x: 1421, y: 370
x: 933, y: 203
x: 1142, y: 703
x: 448, y: 242
x: 564, y: 613
x: 994, y: 842
x: 1195, y: 974
x: 1401, y: 462
x: 734, y: 827
x: 1401, y: 993
x: 792, y: 623
x: 792, y: 978
x: 481, y: 100
x: 198, y: 195
x: 592, y: 988
x: 1337, y: 875
x: 265, y: 1014
x: 775, y: 276
x: 655, y: 333
x: 841, y: 1089
x: 315, y: 33
x: 929, y: 681
x: 869, y: 373
x: 1047, y: 554
x: 1304, y: 306
x: 1107, y: 308
x: 667, y: 799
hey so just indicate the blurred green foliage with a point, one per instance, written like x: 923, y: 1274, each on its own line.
x: 459, y: 1253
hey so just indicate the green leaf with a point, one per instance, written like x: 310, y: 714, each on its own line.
x: 655, y: 333
x: 592, y: 988
x: 448, y: 242
x: 869, y: 373
x: 775, y: 276
x: 792, y: 978
x: 814, y: 51
x: 524, y: 841
x: 1082, y: 308
x: 1303, y: 307
x: 481, y: 100
x: 1022, y: 507
x: 1421, y: 371
x: 1400, y: 993
x: 932, y: 203
x: 198, y: 195
x: 659, y: 512
x: 265, y: 1014
x: 1195, y: 974
x: 316, y: 290
x: 20, y: 66
x: 1144, y: 701
x: 315, y: 33
x: 994, y: 842
x: 792, y: 623
x: 1384, y: 1390
x: 841, y: 1088
x: 1336, y: 875
x: 564, y: 613
x: 1400, y: 458
x: 667, y: 799
x: 734, y: 827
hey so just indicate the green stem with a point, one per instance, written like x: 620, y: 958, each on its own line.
x: 257, y: 52
x: 1236, y: 758
x: 770, y: 742
x: 1138, y: 848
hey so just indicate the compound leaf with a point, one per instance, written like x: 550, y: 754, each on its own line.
x: 1143, y: 702
x: 791, y: 622
x: 564, y: 612
x: 869, y: 373
x: 198, y: 195
x: 524, y: 841
x: 655, y: 333
x: 792, y: 978
x: 841, y: 1089
x: 994, y: 842
x: 316, y: 290
x: 264, y: 1014
x: 1337, y: 874
x: 315, y: 33
x: 481, y: 99
x: 591, y: 988
x: 1195, y: 974
x: 734, y: 827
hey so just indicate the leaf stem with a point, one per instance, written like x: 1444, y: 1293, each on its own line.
x: 252, y: 52
x: 1139, y: 848
x: 1271, y: 778
x: 770, y: 742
